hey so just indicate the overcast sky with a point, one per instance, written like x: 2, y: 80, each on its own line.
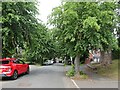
x: 45, y: 8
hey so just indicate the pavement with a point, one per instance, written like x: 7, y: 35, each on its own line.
x: 95, y: 81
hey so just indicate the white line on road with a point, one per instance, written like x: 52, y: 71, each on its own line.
x: 74, y: 83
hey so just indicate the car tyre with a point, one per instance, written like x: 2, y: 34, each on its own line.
x: 15, y: 75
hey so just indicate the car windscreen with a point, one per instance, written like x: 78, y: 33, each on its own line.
x: 4, y: 62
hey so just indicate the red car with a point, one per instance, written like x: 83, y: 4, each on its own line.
x: 12, y: 67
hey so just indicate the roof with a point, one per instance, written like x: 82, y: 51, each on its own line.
x: 4, y: 59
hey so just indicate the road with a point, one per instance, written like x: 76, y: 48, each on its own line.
x: 51, y: 76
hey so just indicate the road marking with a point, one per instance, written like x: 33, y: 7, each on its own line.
x: 74, y: 83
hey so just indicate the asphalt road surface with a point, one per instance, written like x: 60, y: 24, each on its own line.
x: 51, y: 76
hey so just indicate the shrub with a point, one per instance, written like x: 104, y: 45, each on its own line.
x: 71, y: 72
x: 83, y: 75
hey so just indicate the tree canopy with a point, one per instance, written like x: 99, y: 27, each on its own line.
x: 84, y: 26
x: 78, y: 28
x: 21, y: 32
x: 18, y: 22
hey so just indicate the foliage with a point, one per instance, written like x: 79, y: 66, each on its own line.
x: 18, y: 23
x: 71, y: 72
x: 83, y: 26
x: 83, y: 75
x: 78, y: 27
x: 88, y: 30
x: 22, y: 35
x: 116, y: 54
x: 42, y: 46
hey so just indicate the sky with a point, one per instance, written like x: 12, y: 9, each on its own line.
x: 45, y: 8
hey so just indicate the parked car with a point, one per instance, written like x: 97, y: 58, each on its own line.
x: 48, y: 62
x: 60, y: 61
x: 12, y: 67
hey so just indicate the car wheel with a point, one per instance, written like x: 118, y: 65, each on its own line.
x: 28, y: 71
x: 15, y: 75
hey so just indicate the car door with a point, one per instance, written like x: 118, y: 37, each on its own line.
x: 24, y: 66
x: 19, y: 66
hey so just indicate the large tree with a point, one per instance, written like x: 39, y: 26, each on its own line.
x: 83, y: 26
x: 18, y: 23
x: 21, y: 32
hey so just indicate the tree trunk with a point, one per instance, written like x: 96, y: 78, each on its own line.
x: 77, y: 64
x: 101, y: 56
x: 106, y: 57
x: 109, y: 57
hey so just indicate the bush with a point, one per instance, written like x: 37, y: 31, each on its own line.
x: 83, y: 75
x: 115, y: 54
x: 71, y: 72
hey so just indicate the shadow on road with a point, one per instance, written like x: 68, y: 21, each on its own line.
x: 57, y: 68
x: 9, y: 79
x: 58, y: 64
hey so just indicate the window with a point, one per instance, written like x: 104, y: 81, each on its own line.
x: 4, y: 62
x: 19, y: 61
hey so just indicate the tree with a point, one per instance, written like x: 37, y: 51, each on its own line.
x: 116, y: 52
x: 83, y: 26
x: 20, y: 29
x: 109, y: 25
x: 18, y: 23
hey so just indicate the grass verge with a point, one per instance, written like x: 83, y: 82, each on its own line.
x: 110, y: 71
